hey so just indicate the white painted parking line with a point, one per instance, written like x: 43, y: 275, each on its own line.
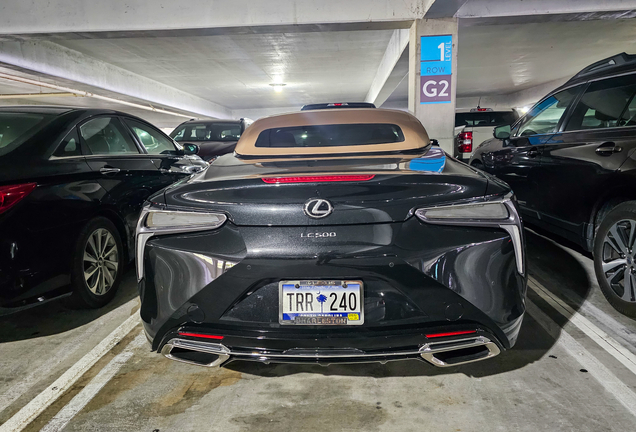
x: 620, y: 331
x: 608, y: 343
x: 60, y: 354
x: 42, y: 401
x: 80, y: 400
x: 602, y: 374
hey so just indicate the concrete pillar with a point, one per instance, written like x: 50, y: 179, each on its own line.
x: 439, y: 117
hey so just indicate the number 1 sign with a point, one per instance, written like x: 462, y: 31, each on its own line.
x: 436, y: 67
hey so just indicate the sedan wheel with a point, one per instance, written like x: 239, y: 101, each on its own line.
x: 101, y: 261
x: 97, y: 264
x: 614, y: 255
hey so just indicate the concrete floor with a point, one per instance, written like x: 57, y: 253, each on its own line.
x: 556, y: 378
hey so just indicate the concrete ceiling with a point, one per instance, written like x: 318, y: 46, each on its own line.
x: 504, y: 59
x: 236, y: 70
x: 234, y: 67
x: 44, y: 96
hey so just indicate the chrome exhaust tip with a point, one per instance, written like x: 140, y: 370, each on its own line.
x: 458, y: 352
x: 196, y: 353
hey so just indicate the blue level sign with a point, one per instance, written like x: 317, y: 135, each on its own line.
x: 436, y: 55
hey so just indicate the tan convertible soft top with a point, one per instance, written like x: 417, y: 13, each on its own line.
x: 415, y: 135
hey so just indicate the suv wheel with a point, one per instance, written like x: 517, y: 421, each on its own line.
x: 97, y: 264
x: 477, y: 164
x: 614, y: 254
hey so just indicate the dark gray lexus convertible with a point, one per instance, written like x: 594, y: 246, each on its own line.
x: 332, y: 236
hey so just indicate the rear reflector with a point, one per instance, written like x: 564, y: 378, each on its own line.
x: 201, y: 335
x: 318, y: 179
x: 465, y: 142
x: 456, y: 333
x: 11, y: 195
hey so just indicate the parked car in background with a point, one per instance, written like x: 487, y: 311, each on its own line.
x: 487, y: 148
x: 474, y: 126
x: 72, y: 183
x: 332, y: 235
x: 571, y: 161
x: 213, y: 137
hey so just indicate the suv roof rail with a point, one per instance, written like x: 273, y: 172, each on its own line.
x: 337, y: 105
x: 610, y: 62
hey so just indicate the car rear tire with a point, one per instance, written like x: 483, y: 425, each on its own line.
x: 614, y: 254
x: 477, y: 164
x: 97, y: 266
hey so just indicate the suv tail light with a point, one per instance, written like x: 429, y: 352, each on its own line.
x: 465, y: 142
x: 12, y: 194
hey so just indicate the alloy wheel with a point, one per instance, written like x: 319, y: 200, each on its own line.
x: 618, y: 263
x: 101, y: 261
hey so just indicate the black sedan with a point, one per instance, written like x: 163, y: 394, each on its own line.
x: 332, y: 236
x: 72, y: 184
x: 211, y: 138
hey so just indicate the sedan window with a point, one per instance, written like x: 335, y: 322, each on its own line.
x: 154, y: 141
x: 106, y: 135
x: 545, y: 116
x: 69, y: 145
x: 16, y: 128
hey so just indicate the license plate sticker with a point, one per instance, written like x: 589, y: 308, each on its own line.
x: 323, y: 302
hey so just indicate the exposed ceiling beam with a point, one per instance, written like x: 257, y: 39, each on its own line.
x: 388, y: 76
x: 509, y: 8
x: 69, y: 16
x: 444, y: 8
x: 71, y: 92
x: 53, y: 60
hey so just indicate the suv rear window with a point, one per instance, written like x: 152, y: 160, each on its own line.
x: 330, y: 135
x: 207, y: 132
x: 16, y: 128
x: 490, y: 119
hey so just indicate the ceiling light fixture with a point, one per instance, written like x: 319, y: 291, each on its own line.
x: 278, y: 87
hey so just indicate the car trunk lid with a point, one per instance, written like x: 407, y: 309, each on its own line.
x: 360, y: 191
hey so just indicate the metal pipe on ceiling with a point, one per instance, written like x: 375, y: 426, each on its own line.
x: 37, y: 95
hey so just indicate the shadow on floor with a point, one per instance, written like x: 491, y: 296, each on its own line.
x: 555, y: 267
x: 552, y: 265
x: 53, y: 318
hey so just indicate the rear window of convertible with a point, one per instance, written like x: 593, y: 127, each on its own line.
x: 334, y: 135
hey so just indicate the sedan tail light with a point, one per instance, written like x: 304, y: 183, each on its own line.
x: 12, y: 194
x: 465, y: 142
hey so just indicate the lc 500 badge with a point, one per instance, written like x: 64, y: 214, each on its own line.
x: 317, y: 234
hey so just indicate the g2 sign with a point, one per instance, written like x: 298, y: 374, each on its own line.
x: 435, y: 89
x: 436, y: 66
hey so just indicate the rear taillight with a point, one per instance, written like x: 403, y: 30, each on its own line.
x: 12, y: 194
x: 201, y: 335
x: 446, y: 334
x: 465, y: 142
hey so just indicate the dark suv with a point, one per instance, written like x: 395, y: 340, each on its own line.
x: 571, y: 161
x: 212, y: 138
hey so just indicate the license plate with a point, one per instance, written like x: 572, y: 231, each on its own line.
x: 323, y: 302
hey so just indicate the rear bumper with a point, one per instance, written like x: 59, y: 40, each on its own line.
x: 419, y: 279
x: 440, y: 352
